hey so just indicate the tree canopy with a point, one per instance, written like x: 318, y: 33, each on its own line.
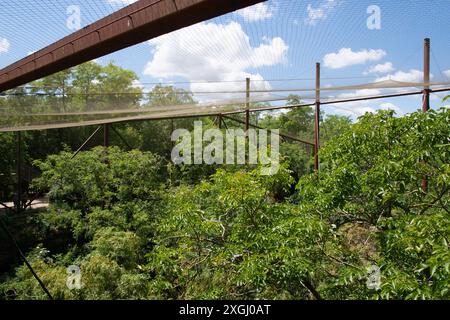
x: 230, y: 235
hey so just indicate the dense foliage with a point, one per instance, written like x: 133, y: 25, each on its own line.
x: 238, y: 235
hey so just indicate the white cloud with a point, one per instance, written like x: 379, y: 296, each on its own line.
x: 346, y: 57
x: 360, y: 93
x: 257, y: 12
x: 412, y: 75
x: 4, y: 45
x: 391, y: 106
x: 137, y: 84
x: 382, y: 68
x: 354, y: 108
x: 447, y: 73
x: 234, y: 82
x: 223, y: 55
x: 321, y: 12
x: 359, y: 108
x: 190, y: 54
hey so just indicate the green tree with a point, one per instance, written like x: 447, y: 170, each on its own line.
x: 371, y: 177
x: 157, y: 134
x: 232, y: 236
x: 119, y: 87
x: 7, y: 164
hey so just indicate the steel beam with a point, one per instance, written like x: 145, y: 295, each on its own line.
x: 138, y: 22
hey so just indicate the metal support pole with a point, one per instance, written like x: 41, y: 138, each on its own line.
x: 247, y: 114
x: 308, y: 153
x: 317, y: 120
x: 426, y: 91
x: 426, y: 75
x: 219, y: 119
x: 106, y: 135
x: 19, y: 171
x: 247, y: 104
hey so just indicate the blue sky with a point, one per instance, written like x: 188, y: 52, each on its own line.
x: 279, y: 39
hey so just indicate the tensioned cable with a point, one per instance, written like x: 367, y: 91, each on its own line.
x: 190, y: 112
x: 387, y: 84
x: 25, y: 260
x: 171, y: 83
x: 307, y: 43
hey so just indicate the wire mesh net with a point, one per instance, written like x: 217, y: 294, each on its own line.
x: 210, y: 61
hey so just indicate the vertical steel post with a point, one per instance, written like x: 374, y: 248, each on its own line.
x: 247, y: 104
x: 172, y: 143
x: 317, y: 120
x: 426, y: 91
x: 247, y: 114
x: 106, y: 135
x: 19, y: 171
x: 426, y: 75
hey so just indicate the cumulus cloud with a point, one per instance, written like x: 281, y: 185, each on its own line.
x: 359, y: 108
x: 213, y: 52
x: 382, y: 68
x: 391, y: 106
x: 412, y: 75
x: 4, y: 45
x: 137, y: 84
x: 345, y: 57
x: 257, y: 12
x: 356, y: 108
x: 189, y: 53
x: 321, y: 12
x: 447, y: 73
x: 233, y: 83
x: 360, y: 93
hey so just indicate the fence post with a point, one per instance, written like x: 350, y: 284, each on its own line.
x: 19, y: 171
x: 247, y: 104
x: 106, y: 135
x: 317, y: 120
x: 426, y: 91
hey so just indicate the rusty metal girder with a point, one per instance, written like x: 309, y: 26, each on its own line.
x: 138, y: 22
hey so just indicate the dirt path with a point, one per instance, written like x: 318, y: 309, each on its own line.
x: 36, y: 204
